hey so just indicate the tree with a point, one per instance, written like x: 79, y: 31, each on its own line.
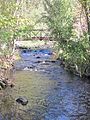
x: 86, y: 6
x: 59, y: 18
x: 16, y: 21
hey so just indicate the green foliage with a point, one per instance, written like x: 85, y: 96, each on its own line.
x: 77, y: 55
x: 12, y: 25
x: 59, y: 19
x: 75, y: 51
x: 17, y: 18
x: 23, y: 32
x: 7, y: 23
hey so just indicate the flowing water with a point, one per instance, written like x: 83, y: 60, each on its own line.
x: 52, y: 92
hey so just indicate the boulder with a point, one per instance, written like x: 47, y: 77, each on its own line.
x: 22, y: 100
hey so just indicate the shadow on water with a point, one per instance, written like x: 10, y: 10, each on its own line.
x: 52, y: 92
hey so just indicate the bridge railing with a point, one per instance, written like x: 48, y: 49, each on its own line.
x: 39, y: 34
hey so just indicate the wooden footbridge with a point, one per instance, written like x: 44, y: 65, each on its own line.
x: 34, y: 35
x: 38, y: 34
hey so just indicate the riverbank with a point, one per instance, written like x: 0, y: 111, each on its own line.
x: 6, y: 71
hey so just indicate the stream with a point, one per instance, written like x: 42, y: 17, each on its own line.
x: 52, y: 92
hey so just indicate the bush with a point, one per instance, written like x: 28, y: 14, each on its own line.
x: 77, y: 55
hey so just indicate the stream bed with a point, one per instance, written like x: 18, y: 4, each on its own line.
x: 52, y: 92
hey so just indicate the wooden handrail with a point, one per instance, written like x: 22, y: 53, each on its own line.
x: 40, y: 34
x: 40, y: 30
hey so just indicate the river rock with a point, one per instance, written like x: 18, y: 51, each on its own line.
x: 38, y: 57
x: 5, y: 81
x: 50, y: 53
x: 45, y: 63
x: 0, y: 88
x: 26, y: 68
x: 29, y: 67
x: 24, y: 51
x: 22, y: 100
x: 2, y: 84
x: 12, y: 85
x: 53, y: 61
x: 38, y: 61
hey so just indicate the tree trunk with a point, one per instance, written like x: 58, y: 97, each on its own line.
x: 87, y: 10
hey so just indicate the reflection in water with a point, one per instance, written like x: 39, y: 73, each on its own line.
x: 52, y: 93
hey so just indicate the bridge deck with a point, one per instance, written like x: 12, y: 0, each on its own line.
x: 41, y: 38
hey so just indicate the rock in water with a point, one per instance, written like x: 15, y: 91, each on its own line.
x: 0, y: 88
x: 22, y: 100
x: 2, y: 84
x: 26, y: 68
x: 53, y: 61
x: 12, y: 85
x: 38, y: 57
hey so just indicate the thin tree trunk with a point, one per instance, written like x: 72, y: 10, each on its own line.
x: 86, y: 7
x: 87, y: 10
